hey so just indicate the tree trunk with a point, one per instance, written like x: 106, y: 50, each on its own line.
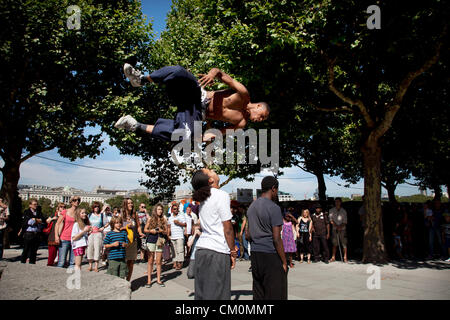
x: 391, y: 192
x: 321, y: 186
x: 374, y: 249
x: 11, y: 176
x: 437, y: 192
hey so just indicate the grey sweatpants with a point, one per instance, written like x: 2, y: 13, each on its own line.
x: 212, y: 275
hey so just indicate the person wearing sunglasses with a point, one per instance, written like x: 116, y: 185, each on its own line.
x: 143, y: 217
x: 63, y: 233
x: 95, y: 241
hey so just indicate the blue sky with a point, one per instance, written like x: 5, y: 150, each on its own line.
x: 44, y: 172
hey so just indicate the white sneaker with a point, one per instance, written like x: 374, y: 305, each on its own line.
x: 186, y: 132
x: 126, y: 122
x: 133, y: 75
x: 448, y: 260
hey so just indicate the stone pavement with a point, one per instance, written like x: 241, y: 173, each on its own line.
x: 407, y: 280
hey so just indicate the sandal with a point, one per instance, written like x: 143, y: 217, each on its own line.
x: 301, y: 261
x: 148, y: 285
x: 345, y: 260
x: 332, y: 260
x: 309, y: 261
x: 162, y: 285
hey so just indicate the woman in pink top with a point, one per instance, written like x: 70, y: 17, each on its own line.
x: 63, y: 233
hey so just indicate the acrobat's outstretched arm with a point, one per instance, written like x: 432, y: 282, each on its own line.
x: 207, y: 79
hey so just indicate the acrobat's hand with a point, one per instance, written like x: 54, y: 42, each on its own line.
x: 207, y: 79
x: 208, y: 136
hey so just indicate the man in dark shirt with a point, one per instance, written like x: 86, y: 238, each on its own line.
x: 321, y: 227
x: 32, y: 218
x: 269, y: 267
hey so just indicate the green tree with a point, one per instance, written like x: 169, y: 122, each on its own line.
x: 298, y: 53
x: 115, y: 201
x: 56, y: 80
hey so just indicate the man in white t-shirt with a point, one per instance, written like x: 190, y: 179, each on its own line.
x: 177, y: 223
x: 215, y: 254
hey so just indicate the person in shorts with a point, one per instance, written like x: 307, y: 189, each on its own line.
x: 156, y: 228
x: 80, y: 231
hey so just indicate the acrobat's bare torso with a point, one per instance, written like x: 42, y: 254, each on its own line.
x: 228, y: 106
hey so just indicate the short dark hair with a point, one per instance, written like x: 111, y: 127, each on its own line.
x: 268, y: 183
x: 265, y: 105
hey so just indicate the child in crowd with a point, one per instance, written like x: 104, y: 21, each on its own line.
x: 191, y: 244
x: 80, y: 231
x: 116, y: 241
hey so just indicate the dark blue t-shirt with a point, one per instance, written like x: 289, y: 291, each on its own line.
x: 263, y: 214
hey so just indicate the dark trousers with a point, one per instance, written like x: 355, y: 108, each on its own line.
x: 183, y: 89
x: 269, y: 277
x: 30, y: 246
x: 319, y: 241
x: 212, y: 272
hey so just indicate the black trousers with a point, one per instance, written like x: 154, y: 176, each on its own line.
x: 269, y: 277
x: 30, y: 246
x: 319, y: 241
x: 183, y: 89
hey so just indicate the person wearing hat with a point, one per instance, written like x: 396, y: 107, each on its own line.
x: 269, y: 266
x: 321, y: 227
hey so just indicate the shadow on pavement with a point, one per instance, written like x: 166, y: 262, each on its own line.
x: 138, y: 283
x: 238, y: 293
x: 234, y: 293
x: 142, y: 281
x: 408, y: 264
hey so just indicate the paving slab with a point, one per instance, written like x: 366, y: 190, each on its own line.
x: 404, y: 280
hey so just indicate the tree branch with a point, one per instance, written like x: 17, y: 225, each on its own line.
x: 406, y: 82
x: 31, y: 154
x: 336, y: 109
x: 339, y: 94
x: 394, y: 106
x: 226, y: 182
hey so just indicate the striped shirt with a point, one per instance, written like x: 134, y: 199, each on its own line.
x: 177, y: 232
x: 116, y: 253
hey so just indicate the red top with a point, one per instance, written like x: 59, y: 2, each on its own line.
x: 68, y: 221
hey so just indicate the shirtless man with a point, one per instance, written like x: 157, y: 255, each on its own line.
x: 194, y: 103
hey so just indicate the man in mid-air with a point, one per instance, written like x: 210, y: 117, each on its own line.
x: 194, y: 103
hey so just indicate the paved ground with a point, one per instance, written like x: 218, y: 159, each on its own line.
x: 405, y: 280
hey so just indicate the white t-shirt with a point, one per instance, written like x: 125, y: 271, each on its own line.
x: 108, y: 228
x: 82, y: 242
x: 190, y: 221
x: 213, y: 212
x: 177, y: 232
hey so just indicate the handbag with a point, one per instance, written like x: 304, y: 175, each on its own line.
x: 160, y: 242
x: 48, y: 229
x: 166, y: 252
x: 130, y: 234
